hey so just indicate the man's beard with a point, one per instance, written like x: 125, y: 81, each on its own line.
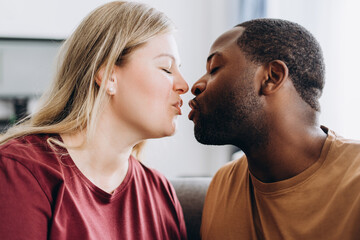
x: 237, y: 119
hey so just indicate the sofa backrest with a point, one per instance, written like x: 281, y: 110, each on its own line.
x: 191, y: 193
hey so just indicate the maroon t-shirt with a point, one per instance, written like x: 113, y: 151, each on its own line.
x: 43, y: 195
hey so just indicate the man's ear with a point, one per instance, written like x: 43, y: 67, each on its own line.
x: 110, y: 87
x: 277, y: 73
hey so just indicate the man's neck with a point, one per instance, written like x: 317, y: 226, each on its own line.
x: 287, y: 153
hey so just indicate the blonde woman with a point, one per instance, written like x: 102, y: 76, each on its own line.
x: 69, y: 171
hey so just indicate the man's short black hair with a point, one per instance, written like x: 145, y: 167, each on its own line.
x: 264, y: 40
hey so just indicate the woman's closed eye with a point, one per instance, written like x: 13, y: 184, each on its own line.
x: 167, y: 70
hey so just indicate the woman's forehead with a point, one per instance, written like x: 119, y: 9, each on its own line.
x: 161, y: 45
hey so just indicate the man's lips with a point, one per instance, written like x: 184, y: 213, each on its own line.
x: 194, y: 105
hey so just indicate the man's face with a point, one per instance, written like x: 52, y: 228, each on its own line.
x: 227, y: 108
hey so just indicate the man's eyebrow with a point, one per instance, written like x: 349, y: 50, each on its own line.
x: 167, y: 55
x: 212, y: 55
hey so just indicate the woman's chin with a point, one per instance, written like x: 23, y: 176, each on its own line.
x: 166, y: 130
x: 171, y: 130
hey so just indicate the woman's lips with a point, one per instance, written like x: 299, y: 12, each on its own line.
x: 178, y: 105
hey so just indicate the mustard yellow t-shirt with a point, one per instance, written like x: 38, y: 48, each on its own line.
x: 322, y: 202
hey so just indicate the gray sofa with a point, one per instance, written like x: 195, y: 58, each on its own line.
x: 191, y: 193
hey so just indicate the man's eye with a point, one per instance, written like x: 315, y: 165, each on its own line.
x: 167, y: 71
x: 212, y: 71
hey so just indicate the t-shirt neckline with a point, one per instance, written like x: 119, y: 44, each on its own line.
x: 287, y: 184
x: 94, y: 188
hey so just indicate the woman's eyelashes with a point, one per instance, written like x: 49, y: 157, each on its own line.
x: 167, y: 70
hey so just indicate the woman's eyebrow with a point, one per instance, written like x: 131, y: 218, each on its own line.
x: 167, y: 55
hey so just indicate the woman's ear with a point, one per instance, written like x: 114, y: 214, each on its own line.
x: 276, y: 74
x: 110, y: 87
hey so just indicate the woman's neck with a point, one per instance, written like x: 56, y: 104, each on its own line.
x: 103, y: 159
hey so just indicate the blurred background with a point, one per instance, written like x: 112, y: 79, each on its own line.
x: 26, y: 66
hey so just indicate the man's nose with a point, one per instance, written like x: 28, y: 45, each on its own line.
x: 198, y: 87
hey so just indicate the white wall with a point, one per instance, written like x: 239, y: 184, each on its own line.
x: 199, y: 23
x: 335, y: 24
x: 42, y: 18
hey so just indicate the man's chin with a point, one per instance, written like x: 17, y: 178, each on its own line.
x: 208, y: 139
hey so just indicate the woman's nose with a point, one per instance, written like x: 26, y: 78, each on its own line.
x: 181, y: 85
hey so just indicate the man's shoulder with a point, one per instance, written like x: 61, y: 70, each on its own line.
x: 342, y: 147
x: 229, y: 183
x: 347, y: 142
x: 232, y: 166
x: 232, y: 171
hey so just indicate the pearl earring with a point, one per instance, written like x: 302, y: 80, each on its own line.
x: 111, y: 91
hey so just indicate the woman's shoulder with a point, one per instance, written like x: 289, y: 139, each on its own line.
x: 30, y: 180
x: 145, y: 171
x: 152, y: 176
x: 27, y: 142
x: 32, y: 154
x: 33, y: 147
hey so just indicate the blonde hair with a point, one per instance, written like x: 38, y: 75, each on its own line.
x: 105, y: 38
